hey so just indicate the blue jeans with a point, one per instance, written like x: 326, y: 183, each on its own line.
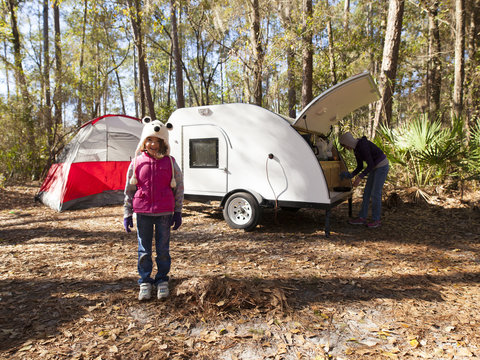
x: 145, y: 228
x: 373, y: 189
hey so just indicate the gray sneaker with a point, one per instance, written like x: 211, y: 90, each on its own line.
x: 162, y: 290
x: 145, y: 291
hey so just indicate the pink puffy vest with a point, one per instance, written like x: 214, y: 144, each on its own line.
x: 154, y: 194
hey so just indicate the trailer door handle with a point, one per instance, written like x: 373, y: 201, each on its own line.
x: 223, y: 169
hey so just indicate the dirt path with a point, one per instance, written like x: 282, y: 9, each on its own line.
x: 408, y: 290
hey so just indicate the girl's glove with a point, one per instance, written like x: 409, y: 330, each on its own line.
x: 176, y: 220
x: 128, y: 223
x: 345, y: 175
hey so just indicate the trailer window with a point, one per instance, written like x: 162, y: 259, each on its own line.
x: 204, y: 153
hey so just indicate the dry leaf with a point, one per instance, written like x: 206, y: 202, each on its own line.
x: 414, y: 343
x: 282, y: 349
x: 390, y: 355
x: 464, y: 352
x: 25, y: 348
x: 147, y: 346
x: 211, y: 337
x: 189, y: 342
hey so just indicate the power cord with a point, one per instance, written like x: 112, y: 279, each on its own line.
x: 271, y: 157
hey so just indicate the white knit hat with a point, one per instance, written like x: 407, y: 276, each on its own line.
x: 348, y: 139
x: 153, y: 128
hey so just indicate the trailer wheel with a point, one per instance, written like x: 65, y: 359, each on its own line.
x: 241, y: 211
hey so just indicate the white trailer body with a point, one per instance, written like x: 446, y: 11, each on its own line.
x: 249, y: 157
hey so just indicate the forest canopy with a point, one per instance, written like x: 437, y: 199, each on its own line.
x: 65, y: 62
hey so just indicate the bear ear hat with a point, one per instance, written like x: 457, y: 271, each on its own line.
x: 146, y: 120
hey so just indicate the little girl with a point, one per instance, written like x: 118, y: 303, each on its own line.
x: 154, y: 191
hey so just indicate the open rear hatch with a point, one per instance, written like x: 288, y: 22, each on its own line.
x: 332, y: 105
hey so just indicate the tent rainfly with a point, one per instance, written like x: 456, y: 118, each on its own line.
x: 92, y: 168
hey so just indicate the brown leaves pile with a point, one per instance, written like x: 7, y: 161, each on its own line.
x: 223, y: 296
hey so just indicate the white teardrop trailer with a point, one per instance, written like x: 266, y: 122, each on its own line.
x: 249, y: 158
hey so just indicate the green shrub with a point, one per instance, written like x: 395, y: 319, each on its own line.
x: 423, y: 152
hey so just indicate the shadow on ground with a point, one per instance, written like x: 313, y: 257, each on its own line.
x: 37, y: 309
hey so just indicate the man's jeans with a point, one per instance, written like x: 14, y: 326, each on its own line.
x: 373, y: 189
x: 145, y: 229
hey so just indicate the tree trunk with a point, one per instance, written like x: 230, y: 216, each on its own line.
x: 141, y: 90
x: 286, y: 17
x: 434, y: 66
x: 80, y: 117
x: 7, y: 77
x: 258, y: 54
x: 169, y: 82
x: 346, y: 15
x: 331, y: 55
x: 96, y: 99
x: 20, y: 78
x: 57, y: 97
x: 459, y: 58
x: 307, y: 56
x: 389, y: 62
x: 473, y: 11
x: 120, y: 92
x: 292, y: 92
x: 47, y: 113
x: 135, y: 82
x: 177, y: 58
x: 373, y: 66
x: 247, y: 95
x: 29, y: 147
x: 473, y: 60
x: 146, y: 94
x: 147, y: 90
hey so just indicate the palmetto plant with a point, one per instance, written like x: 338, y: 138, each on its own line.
x: 474, y: 147
x: 468, y: 167
x: 423, y: 150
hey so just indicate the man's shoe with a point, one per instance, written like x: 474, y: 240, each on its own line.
x: 374, y: 224
x: 357, y: 221
x: 145, y: 291
x: 162, y: 290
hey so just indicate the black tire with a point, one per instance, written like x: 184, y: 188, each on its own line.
x: 241, y: 211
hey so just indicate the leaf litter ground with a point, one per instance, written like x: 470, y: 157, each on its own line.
x: 407, y: 290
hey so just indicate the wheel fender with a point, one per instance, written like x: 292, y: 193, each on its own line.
x: 255, y: 194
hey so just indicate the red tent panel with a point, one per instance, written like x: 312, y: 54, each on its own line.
x: 89, y: 178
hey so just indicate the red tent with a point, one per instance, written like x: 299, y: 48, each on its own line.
x: 92, y: 168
